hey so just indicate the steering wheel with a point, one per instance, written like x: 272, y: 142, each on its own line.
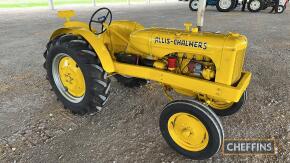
x: 104, y: 18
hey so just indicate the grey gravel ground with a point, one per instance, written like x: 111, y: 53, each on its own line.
x: 34, y: 127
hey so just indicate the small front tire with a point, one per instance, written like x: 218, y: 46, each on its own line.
x: 191, y: 129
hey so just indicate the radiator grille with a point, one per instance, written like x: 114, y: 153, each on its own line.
x: 239, y: 62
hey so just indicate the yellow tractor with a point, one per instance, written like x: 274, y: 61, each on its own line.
x: 208, y: 67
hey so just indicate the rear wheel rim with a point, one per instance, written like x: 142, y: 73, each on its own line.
x: 255, y: 5
x: 68, y: 78
x: 188, y: 132
x: 225, y: 4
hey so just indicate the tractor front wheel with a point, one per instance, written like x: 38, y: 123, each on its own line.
x: 192, y: 129
x: 76, y: 75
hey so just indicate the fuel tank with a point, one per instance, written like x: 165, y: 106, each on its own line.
x: 227, y: 49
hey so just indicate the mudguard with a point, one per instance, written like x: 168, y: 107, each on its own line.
x: 96, y: 43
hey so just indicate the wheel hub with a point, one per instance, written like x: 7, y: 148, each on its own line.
x: 71, y: 77
x: 68, y: 78
x: 188, y: 131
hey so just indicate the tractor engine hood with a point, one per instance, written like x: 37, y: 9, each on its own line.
x: 227, y: 51
x: 159, y: 42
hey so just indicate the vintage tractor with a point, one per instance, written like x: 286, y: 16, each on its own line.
x: 208, y: 67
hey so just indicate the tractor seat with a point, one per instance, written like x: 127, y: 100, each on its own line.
x: 119, y: 34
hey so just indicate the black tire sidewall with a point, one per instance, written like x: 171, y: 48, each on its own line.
x: 283, y: 8
x: 70, y: 52
x: 214, y: 138
x: 233, y: 109
x: 192, y: 9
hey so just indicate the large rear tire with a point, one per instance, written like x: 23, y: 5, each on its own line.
x: 191, y: 129
x: 76, y: 75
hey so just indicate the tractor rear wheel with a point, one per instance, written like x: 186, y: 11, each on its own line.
x: 76, y: 75
x: 192, y: 129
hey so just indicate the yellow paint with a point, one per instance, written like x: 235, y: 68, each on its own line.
x: 159, y: 65
x: 188, y: 132
x: 76, y: 24
x: 188, y: 26
x: 96, y: 43
x: 225, y: 51
x: 215, y: 102
x: 216, y: 90
x: 71, y: 77
x: 208, y: 73
x: 67, y: 14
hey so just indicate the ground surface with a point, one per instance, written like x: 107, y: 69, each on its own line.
x: 34, y: 127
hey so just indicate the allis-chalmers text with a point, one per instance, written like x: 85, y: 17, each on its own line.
x: 194, y: 44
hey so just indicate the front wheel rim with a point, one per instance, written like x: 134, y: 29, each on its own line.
x: 188, y: 132
x: 68, y: 78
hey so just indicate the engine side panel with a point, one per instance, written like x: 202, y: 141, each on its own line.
x: 227, y: 51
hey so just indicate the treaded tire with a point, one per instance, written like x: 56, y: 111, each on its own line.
x: 130, y: 82
x: 255, y: 10
x: 96, y: 82
x: 191, y: 2
x: 234, y: 108
x: 231, y: 7
x: 236, y: 5
x: 281, y: 9
x: 205, y: 115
